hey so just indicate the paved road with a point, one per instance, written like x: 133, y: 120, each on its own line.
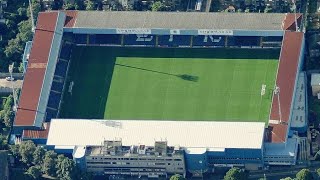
x: 282, y: 172
x: 7, y: 84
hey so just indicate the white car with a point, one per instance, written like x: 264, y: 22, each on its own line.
x: 9, y: 78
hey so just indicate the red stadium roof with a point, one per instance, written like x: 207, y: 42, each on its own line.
x: 37, y: 134
x: 71, y: 18
x: 34, y: 76
x: 289, y: 21
x: 286, y: 79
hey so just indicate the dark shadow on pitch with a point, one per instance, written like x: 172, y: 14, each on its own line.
x: 93, y: 79
x: 186, y: 77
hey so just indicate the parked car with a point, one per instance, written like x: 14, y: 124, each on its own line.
x: 9, y: 78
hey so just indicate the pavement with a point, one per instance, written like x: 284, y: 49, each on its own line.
x: 7, y: 84
x: 276, y: 173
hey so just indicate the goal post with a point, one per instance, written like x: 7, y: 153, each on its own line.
x: 71, y: 87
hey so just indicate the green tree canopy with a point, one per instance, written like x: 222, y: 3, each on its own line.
x: 3, y: 142
x: 69, y: 6
x: 235, y: 174
x: 90, y: 5
x: 48, y: 166
x: 25, y: 32
x: 157, y: 6
x: 287, y: 178
x: 21, y: 68
x: 14, y: 149
x: 14, y: 49
x: 7, y: 114
x: 26, y: 150
x: 22, y: 11
x: 267, y: 9
x: 318, y: 172
x: 36, y: 8
x: 304, y: 174
x: 177, y: 177
x: 38, y: 155
x: 34, y: 172
x: 65, y: 168
x: 216, y: 6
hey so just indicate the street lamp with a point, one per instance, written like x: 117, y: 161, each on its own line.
x: 200, y: 162
x: 13, y: 91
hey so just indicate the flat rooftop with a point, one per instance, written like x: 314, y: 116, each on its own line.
x: 89, y: 132
x: 181, y: 20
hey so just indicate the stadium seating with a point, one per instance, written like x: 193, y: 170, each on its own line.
x: 174, y: 40
x: 81, y: 38
x: 61, y: 68
x: 56, y: 86
x: 107, y: 39
x: 201, y: 40
x: 139, y: 39
x: 65, y: 51
x: 50, y: 113
x: 243, y: 41
x: 54, y: 100
x: 272, y: 39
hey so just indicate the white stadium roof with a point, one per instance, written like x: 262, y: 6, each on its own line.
x: 188, y: 134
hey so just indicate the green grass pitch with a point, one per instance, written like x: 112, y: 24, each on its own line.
x: 170, y: 84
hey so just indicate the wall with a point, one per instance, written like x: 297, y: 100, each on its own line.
x: 236, y: 157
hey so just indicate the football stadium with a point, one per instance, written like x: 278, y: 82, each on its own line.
x: 158, y: 93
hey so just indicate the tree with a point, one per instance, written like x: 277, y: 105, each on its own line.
x: 267, y: 9
x: 177, y: 177
x: 216, y: 6
x: 14, y: 149
x: 65, y: 168
x: 235, y: 174
x: 48, y: 166
x: 82, y: 175
x: 318, y: 172
x: 90, y: 5
x: 34, y: 172
x: 69, y: 6
x: 25, y: 32
x: 7, y: 114
x: 304, y: 174
x: 3, y: 142
x: 14, y: 50
x: 21, y: 68
x: 57, y: 4
x: 36, y: 8
x: 157, y: 6
x: 26, y: 150
x: 22, y: 11
x: 38, y: 155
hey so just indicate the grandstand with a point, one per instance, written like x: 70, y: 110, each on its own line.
x: 122, y: 37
